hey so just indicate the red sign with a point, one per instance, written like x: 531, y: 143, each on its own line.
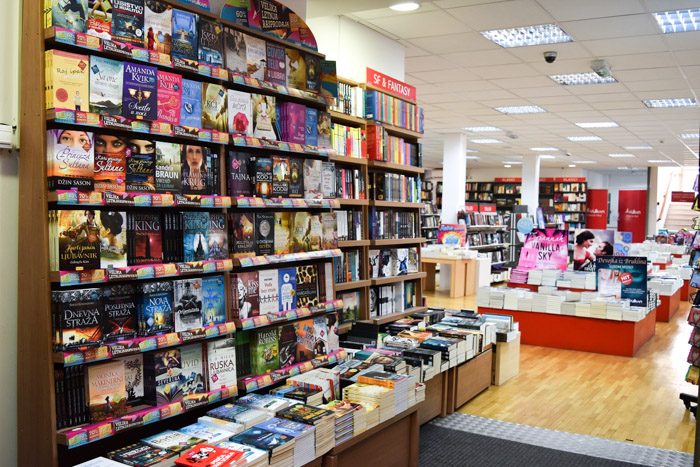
x: 563, y: 179
x: 597, y: 213
x: 509, y: 180
x: 391, y: 85
x: 682, y: 196
x: 632, y: 213
x: 487, y: 208
x: 471, y: 207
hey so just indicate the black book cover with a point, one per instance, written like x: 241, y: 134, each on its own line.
x: 264, y: 233
x: 78, y: 319
x: 263, y: 176
x: 120, y: 313
x: 242, y: 233
x: 280, y: 177
x: 241, y: 177
x: 296, y: 178
x: 145, y: 238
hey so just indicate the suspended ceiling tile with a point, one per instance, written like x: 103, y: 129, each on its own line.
x: 637, y: 61
x: 459, y: 87
x: 618, y: 105
x: 388, y: 12
x: 618, y: 96
x: 451, y: 43
x: 502, y: 71
x: 505, y: 14
x: 427, y: 63
x: 595, y: 89
x: 687, y: 57
x: 683, y: 40
x: 483, y: 58
x: 443, y: 76
x: 648, y: 74
x: 459, y: 3
x: 557, y: 93
x: 626, y: 45
x: 661, y: 85
x: 611, y: 27
x: 432, y: 23
x: 530, y: 82
x: 572, y: 10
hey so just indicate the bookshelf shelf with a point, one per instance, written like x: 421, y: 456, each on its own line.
x: 395, y: 279
x: 395, y: 204
x: 395, y: 316
x: 348, y: 160
x: 346, y: 119
x: 352, y: 243
x: 288, y: 258
x: 285, y: 203
x: 140, y: 200
x: 351, y: 285
x: 353, y: 202
x: 395, y: 167
x: 396, y: 241
x: 396, y: 130
x: 294, y: 148
x: 262, y: 321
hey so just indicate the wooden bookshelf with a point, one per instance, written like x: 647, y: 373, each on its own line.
x: 396, y: 204
x: 342, y: 286
x: 352, y: 243
x: 396, y: 316
x: 348, y: 160
x: 397, y: 130
x: 394, y: 279
x: 397, y: 241
x: 409, y: 169
x: 346, y: 119
x: 354, y: 202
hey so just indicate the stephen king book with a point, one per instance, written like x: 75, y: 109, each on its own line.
x: 140, y: 92
x: 296, y: 69
x: 287, y: 345
x: 214, y: 107
x: 78, y: 240
x: 313, y: 72
x: 287, y: 288
x: 111, y: 153
x: 184, y: 36
x: 106, y: 388
x: 70, y: 157
x: 162, y: 370
x: 301, y: 230
x: 307, y: 286
x: 296, y: 178
x: 112, y: 239
x: 158, y: 24
x: 141, y: 169
x: 191, y: 110
x: 235, y: 51
x: 67, y: 80
x: 256, y: 56
x: 264, y: 233
x: 263, y: 177
x: 78, y: 318
x: 280, y: 176
x: 275, y: 67
x: 269, y: 291
x: 156, y: 308
x: 145, y: 238
x: 243, y: 234
x: 187, y: 304
x: 218, y: 236
x: 169, y: 97
x: 305, y: 340
x: 221, y: 363
x: 196, y: 171
x: 106, y: 85
x: 133, y: 378
x: 127, y: 21
x: 213, y: 300
x: 311, y: 126
x: 245, y: 288
x: 241, y: 175
x: 120, y: 312
x: 265, y: 351
x: 69, y: 15
x: 168, y: 167
x: 192, y: 376
x: 264, y: 116
x: 240, y: 113
x: 196, y: 232
x: 211, y: 42
x: 312, y: 179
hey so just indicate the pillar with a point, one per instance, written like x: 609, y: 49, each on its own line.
x: 530, y: 189
x: 652, y: 200
x: 454, y: 176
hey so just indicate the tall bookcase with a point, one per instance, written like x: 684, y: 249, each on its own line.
x: 564, y: 201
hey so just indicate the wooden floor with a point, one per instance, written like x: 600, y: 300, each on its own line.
x: 625, y: 399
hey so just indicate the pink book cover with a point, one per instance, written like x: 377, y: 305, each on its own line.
x: 169, y: 97
x: 296, y: 123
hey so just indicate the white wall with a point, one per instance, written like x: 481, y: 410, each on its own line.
x: 487, y: 174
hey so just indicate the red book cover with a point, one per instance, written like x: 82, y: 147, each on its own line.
x: 169, y: 97
x: 207, y: 455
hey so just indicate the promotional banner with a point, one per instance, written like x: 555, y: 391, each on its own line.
x: 452, y: 234
x: 632, y: 213
x: 591, y: 243
x: 545, y: 249
x: 391, y: 85
x: 597, y: 213
x: 623, y: 277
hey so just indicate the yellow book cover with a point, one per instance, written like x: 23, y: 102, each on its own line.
x: 106, y: 390
x: 67, y: 80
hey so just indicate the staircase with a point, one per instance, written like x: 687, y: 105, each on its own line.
x: 680, y: 215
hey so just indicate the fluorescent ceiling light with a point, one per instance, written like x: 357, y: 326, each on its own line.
x: 622, y: 156
x: 521, y: 109
x: 690, y: 135
x: 597, y: 125
x: 512, y: 162
x: 547, y: 156
x: 472, y: 158
x: 660, y: 161
x: 669, y: 103
x: 543, y: 149
x: 486, y: 141
x: 678, y: 20
x: 584, y: 138
x: 471, y: 150
x: 590, y: 77
x: 638, y: 148
x: 507, y: 166
x: 528, y: 35
x: 405, y: 6
x: 572, y: 165
x: 482, y: 129
x: 585, y: 162
x: 624, y: 168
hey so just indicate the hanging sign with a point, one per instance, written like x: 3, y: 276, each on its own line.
x: 391, y: 85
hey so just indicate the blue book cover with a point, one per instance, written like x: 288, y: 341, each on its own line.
x: 140, y: 92
x: 213, y: 298
x: 227, y: 412
x: 261, y: 439
x: 285, y: 427
x: 287, y: 288
x: 236, y: 11
x: 191, y: 111
x: 69, y: 15
x: 311, y: 126
x: 155, y: 311
x: 196, y: 230
x: 184, y: 35
x: 211, y: 42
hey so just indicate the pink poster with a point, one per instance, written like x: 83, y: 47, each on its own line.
x: 545, y: 249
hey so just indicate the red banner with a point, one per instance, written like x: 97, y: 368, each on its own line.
x: 471, y: 207
x: 508, y: 180
x: 632, y: 213
x: 391, y: 85
x: 487, y: 208
x: 597, y: 213
x: 682, y: 196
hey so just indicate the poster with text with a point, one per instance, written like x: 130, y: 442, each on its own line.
x: 632, y: 213
x: 591, y: 243
x: 452, y: 234
x: 545, y: 249
x: 623, y: 277
x: 597, y: 211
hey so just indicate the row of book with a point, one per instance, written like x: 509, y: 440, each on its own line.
x: 349, y: 224
x: 497, y: 256
x: 381, y: 146
x: 389, y: 109
x: 570, y: 197
x: 350, y: 183
x: 568, y: 207
x: 486, y: 238
x: 392, y: 262
x: 390, y: 224
x: 474, y: 196
x: 346, y: 268
x: 190, y: 39
x: 394, y: 187
x: 89, y: 317
x: 480, y: 187
x: 351, y: 100
x: 507, y: 188
x: 349, y: 141
x: 385, y: 300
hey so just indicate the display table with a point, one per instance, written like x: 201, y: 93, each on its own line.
x: 463, y: 274
x: 668, y: 306
x: 579, y: 333
x: 535, y: 288
x: 506, y: 361
x: 662, y: 266
x: 435, y: 403
x: 468, y: 380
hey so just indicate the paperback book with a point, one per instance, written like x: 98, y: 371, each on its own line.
x: 106, y: 86
x: 313, y: 72
x: 312, y: 179
x: 256, y: 56
x: 324, y: 130
x: 158, y: 24
x: 240, y: 113
x: 218, y: 236
x: 235, y: 51
x: 142, y: 454
x: 141, y: 167
x: 287, y: 289
x: 275, y: 65
x: 280, y: 177
x: 265, y: 352
x: 296, y: 177
x: 264, y: 233
x: 78, y: 318
x: 197, y: 170
x: 184, y: 47
x: 169, y: 97
x: 172, y: 441
x: 106, y: 389
x: 214, y: 107
x: 67, y: 80
x: 112, y: 239
x: 211, y: 42
x: 311, y: 126
x: 162, y: 370
x: 144, y: 238
x: 140, y: 91
x: 213, y: 301
x: 168, y: 177
x: 287, y: 345
x: 307, y: 285
x: 191, y: 105
x: 133, y: 378
x: 263, y: 176
x: 245, y: 293
x: 269, y: 291
x: 78, y: 240
x: 243, y: 234
x: 241, y: 178
x: 156, y: 308
x: 196, y: 231
x: 120, y: 313
x: 305, y: 340
x: 221, y: 363
x: 283, y: 233
x: 207, y: 455
x: 187, y: 302
x: 99, y: 21
x: 111, y: 153
x: 70, y: 158
x: 301, y: 232
x: 264, y: 116
x: 128, y: 21
x: 296, y: 69
x: 71, y: 16
x: 192, y: 376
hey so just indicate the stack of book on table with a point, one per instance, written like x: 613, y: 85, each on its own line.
x: 245, y: 416
x: 302, y: 394
x: 279, y: 447
x: 323, y: 420
x: 304, y: 437
x: 344, y: 419
x: 382, y: 396
x: 400, y: 384
x: 269, y: 404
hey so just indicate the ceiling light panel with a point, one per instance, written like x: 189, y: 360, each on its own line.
x: 638, y: 148
x: 543, y: 149
x: 579, y: 139
x: 597, y: 125
x: 540, y: 34
x: 678, y: 20
x: 573, y: 79
x: 622, y: 156
x: 482, y: 129
x: 670, y: 103
x: 405, y: 6
x: 690, y: 135
x: 486, y: 141
x: 660, y: 161
x: 521, y: 109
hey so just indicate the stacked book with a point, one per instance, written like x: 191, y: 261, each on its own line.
x: 299, y: 393
x: 252, y: 457
x: 496, y: 298
x: 483, y: 295
x: 359, y: 418
x: 174, y: 441
x: 344, y: 419
x: 218, y: 423
x: 210, y: 434
x: 303, y: 434
x: 550, y: 276
x: 245, y: 416
x: 453, y: 351
x: 568, y: 308
x: 352, y: 369
x: 207, y: 454
x: 323, y: 379
x: 429, y: 360
x: 525, y: 302
x: 535, y: 277
x: 400, y: 384
x: 380, y: 395
x: 583, y: 309
x: 279, y: 447
x: 598, y: 308
x: 615, y: 308
x: 519, y: 276
x: 269, y: 404
x: 323, y: 420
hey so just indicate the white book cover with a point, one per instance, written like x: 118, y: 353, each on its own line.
x: 240, y: 112
x: 221, y: 363
x: 268, y: 281
x: 256, y: 56
x: 188, y: 304
x: 192, y: 374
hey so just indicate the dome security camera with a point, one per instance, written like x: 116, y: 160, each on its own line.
x: 550, y: 56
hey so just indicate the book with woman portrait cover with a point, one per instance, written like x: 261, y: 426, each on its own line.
x: 198, y: 170
x: 245, y: 290
x: 70, y: 156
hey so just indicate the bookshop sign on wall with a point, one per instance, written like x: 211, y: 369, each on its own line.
x: 391, y: 85
x: 623, y: 277
x: 545, y: 249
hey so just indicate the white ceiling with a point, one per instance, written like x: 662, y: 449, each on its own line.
x: 461, y: 77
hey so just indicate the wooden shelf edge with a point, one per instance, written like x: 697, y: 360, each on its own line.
x: 403, y: 278
x: 397, y: 130
x: 340, y: 287
x: 354, y: 202
x: 348, y: 160
x: 397, y: 241
x: 396, y: 316
x: 346, y: 118
x: 373, y: 164
x: 353, y: 243
x: 396, y: 204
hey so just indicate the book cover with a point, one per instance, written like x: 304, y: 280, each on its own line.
x: 172, y: 441
x: 162, y: 370
x: 307, y: 285
x: 295, y: 122
x: 287, y: 289
x: 327, y: 180
x: 141, y: 166
x: 156, y: 308
x: 275, y: 66
x: 167, y: 176
x: 301, y: 231
x: 214, y: 107
x: 111, y: 153
x: 245, y: 295
x: 269, y: 291
x: 106, y: 390
x: 287, y: 345
x: 69, y: 15
x: 213, y: 300
x: 221, y: 363
x: 142, y: 454
x: 296, y: 69
x: 265, y: 351
x: 351, y: 307
x: 243, y: 234
x: 196, y: 231
x: 283, y: 233
x: 313, y: 72
x: 315, y: 233
x: 133, y: 378
x: 211, y: 429
x: 184, y: 35
x: 312, y: 179
x: 264, y: 116
x: 140, y: 92
x: 324, y: 130
x: 241, y: 175
x: 264, y: 233
x: 112, y: 239
x: 218, y: 236
x: 280, y: 176
x: 235, y: 51
x: 320, y: 336
x: 192, y: 375
x: 78, y: 240
x: 211, y: 42
x: 208, y: 455
x: 329, y: 239
x: 67, y: 80
x: 296, y: 178
x: 99, y: 21
x: 256, y: 56
x: 263, y: 176
x: 120, y: 312
x: 329, y: 79
x: 305, y: 340
x: 70, y: 158
x: 78, y: 318
x: 196, y: 172
x: 191, y: 110
x: 145, y: 238
x: 305, y: 414
x: 187, y: 303
x: 158, y: 24
x: 262, y: 439
x: 311, y: 126
x: 169, y: 97
x: 106, y: 86
x: 127, y: 21
x: 240, y: 113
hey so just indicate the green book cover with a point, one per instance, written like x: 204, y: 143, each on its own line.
x: 265, y: 351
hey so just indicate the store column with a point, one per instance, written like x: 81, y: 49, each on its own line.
x: 652, y: 200
x: 454, y: 179
x: 530, y: 190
